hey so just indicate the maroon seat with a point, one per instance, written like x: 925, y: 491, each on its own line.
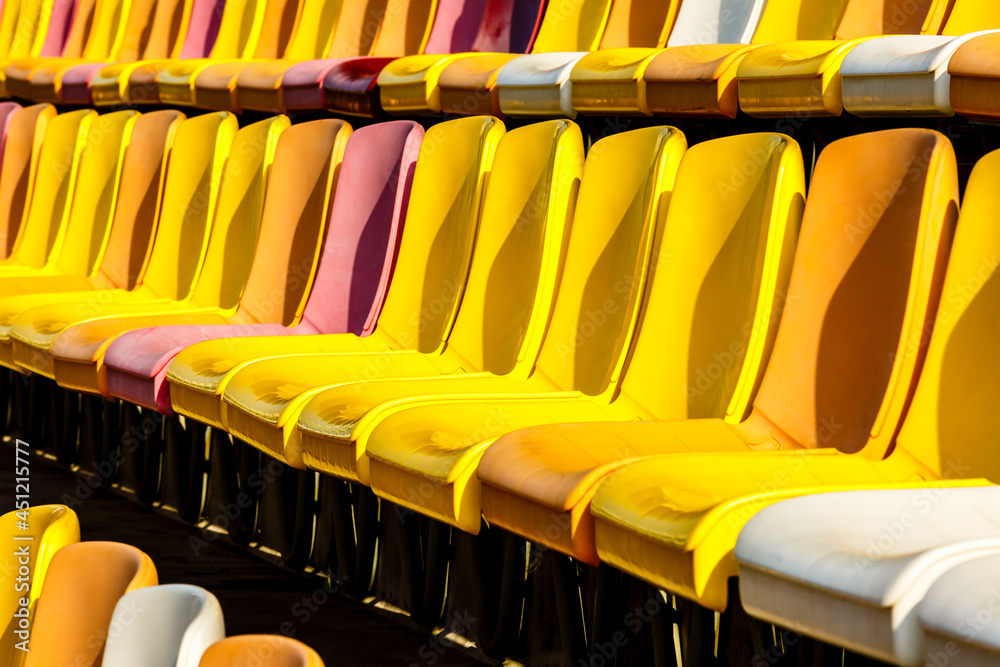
x: 361, y: 239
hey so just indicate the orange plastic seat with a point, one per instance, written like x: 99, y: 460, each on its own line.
x: 260, y: 651
x: 82, y: 586
x: 22, y: 144
x: 975, y: 77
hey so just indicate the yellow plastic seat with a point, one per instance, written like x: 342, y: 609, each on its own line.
x: 20, y: 161
x: 262, y: 650
x: 315, y: 28
x: 249, y: 253
x: 429, y: 463
x: 73, y: 613
x: 39, y: 235
x: 60, y: 342
x: 168, y: 269
x: 175, y: 82
x: 240, y: 30
x: 430, y: 271
x: 97, y: 30
x: 805, y: 77
x: 519, y: 243
x: 833, y: 386
x: 33, y: 28
x: 48, y: 529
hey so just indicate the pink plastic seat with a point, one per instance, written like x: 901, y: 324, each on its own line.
x: 348, y: 85
x: 365, y: 224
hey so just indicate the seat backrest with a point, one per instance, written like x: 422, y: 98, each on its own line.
x: 716, y: 22
x: 108, y: 26
x: 233, y: 234
x: 152, y: 30
x: 405, y: 27
x: 8, y: 24
x: 315, y: 27
x: 441, y: 218
x: 519, y: 247
x: 194, y: 170
x: 722, y: 264
x: 509, y: 26
x: 971, y: 16
x: 50, y: 527
x: 637, y: 23
x: 878, y: 222
x: 82, y: 586
x: 785, y: 20
x: 456, y: 24
x: 248, y: 649
x: 357, y: 27
x: 623, y: 198
x: 199, y: 28
x: 951, y: 427
x: 95, y: 194
x: 22, y: 145
x: 572, y: 25
x: 54, y: 177
x: 39, y: 27
x: 239, y: 29
x: 139, y: 198
x: 53, y: 32
x: 277, y: 26
x: 296, y: 209
x: 163, y: 626
x: 891, y: 17
x: 366, y: 223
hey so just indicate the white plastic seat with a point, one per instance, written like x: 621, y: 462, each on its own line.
x: 851, y: 567
x: 716, y: 22
x: 960, y: 615
x: 537, y: 84
x: 163, y: 626
x: 900, y: 75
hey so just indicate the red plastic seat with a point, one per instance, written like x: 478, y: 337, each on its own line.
x: 352, y: 279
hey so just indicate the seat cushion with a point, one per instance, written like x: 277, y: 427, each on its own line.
x: 538, y: 85
x: 258, y: 85
x: 900, y: 75
x: 410, y: 85
x: 850, y: 568
x: 974, y: 70
x: 214, y: 86
x: 468, y: 84
x: 76, y: 83
x: 959, y: 615
x: 350, y: 87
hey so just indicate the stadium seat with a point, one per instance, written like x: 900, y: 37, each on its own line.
x: 21, y: 144
x: 168, y: 269
x: 468, y: 84
x: 429, y: 462
x: 95, y: 29
x: 243, y: 254
x: 258, y: 85
x: 38, y: 235
x: 832, y: 386
x: 39, y: 28
x: 804, y: 77
x: 410, y: 84
x: 343, y: 298
x: 175, y: 82
x: 948, y: 435
x: 262, y: 651
x: 73, y: 614
x: 959, y: 615
x: 851, y: 568
x: 908, y: 75
x: 707, y: 40
x: 538, y: 84
x: 239, y: 32
x: 423, y: 295
x: 317, y: 20
x: 519, y: 243
x: 34, y: 331
x: 50, y: 528
x: 135, y: 82
x: 404, y: 29
x: 974, y: 74
x: 163, y: 626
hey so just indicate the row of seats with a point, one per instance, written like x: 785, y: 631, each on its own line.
x: 67, y: 602
x: 405, y: 57
x: 711, y: 339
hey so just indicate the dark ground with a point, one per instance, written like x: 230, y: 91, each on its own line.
x: 256, y: 596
